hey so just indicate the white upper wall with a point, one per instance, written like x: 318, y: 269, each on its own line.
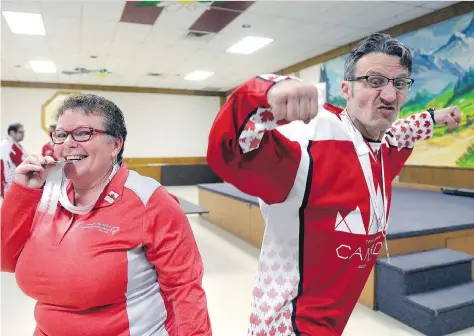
x: 311, y: 74
x: 158, y: 125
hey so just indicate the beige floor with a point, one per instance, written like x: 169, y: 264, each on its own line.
x: 230, y: 266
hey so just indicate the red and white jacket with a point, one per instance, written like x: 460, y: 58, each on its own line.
x: 325, y: 200
x: 131, y: 267
x: 11, y: 155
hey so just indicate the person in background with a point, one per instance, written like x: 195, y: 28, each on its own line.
x: 48, y: 148
x: 11, y: 155
x: 325, y: 197
x: 115, y: 255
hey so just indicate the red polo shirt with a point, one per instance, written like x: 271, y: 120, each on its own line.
x: 129, y: 267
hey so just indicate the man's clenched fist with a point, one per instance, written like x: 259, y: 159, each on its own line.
x: 292, y: 100
x: 449, y: 116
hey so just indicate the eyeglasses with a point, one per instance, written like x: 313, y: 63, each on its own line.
x: 80, y: 134
x: 379, y: 82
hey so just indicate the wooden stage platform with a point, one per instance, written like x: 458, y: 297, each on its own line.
x: 420, y: 220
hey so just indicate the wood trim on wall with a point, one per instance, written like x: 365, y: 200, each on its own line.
x: 223, y: 99
x: 74, y: 87
x: 165, y: 160
x: 451, y: 177
x: 443, y: 14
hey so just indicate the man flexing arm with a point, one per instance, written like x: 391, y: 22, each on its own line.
x: 246, y: 150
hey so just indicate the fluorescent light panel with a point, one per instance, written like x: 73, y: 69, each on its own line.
x: 24, y: 23
x: 43, y: 66
x: 249, y: 45
x: 198, y: 75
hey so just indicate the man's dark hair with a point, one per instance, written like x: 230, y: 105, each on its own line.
x: 377, y: 43
x: 114, y: 121
x: 14, y: 127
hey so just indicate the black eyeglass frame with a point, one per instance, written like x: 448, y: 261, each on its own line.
x: 409, y: 85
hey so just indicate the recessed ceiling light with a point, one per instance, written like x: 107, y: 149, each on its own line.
x: 198, y: 75
x: 249, y: 45
x: 246, y: 26
x: 42, y: 66
x: 24, y: 23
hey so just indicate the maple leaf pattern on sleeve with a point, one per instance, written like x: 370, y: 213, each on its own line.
x: 405, y: 132
x: 262, y: 120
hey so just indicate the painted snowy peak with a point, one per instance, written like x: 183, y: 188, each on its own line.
x: 455, y: 57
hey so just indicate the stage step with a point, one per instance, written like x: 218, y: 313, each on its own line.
x: 429, y: 270
x: 442, y: 311
x: 430, y: 291
x: 458, y: 191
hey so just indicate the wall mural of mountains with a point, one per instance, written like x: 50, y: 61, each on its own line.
x: 443, y: 69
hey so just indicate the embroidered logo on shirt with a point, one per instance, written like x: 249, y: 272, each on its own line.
x: 111, y: 197
x: 105, y: 228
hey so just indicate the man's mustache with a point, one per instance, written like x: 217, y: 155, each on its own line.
x: 382, y: 103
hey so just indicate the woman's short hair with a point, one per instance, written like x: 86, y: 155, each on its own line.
x: 114, y: 121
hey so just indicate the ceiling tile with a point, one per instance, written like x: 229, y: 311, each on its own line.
x: 214, y: 20
x: 118, y: 65
x: 131, y: 32
x: 438, y: 4
x: 66, y: 63
x: 400, y: 18
x: 94, y: 47
x: 58, y: 9
x: 144, y: 15
x: 119, y: 49
x: 21, y: 6
x: 98, y: 29
x: 64, y: 46
x: 179, y: 16
x: 412, y: 3
x: 163, y: 36
x: 103, y: 10
x: 260, y: 25
x: 295, y: 10
x: 62, y: 26
x: 232, y: 5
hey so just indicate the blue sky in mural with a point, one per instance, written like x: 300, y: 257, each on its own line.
x: 431, y: 38
x: 441, y: 54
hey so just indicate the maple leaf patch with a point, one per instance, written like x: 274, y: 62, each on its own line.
x: 250, y: 126
x: 254, y: 143
x: 266, y: 116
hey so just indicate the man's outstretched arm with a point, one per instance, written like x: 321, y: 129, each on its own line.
x: 246, y: 150
x: 403, y: 134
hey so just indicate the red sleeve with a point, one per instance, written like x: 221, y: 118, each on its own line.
x: 246, y: 150
x: 402, y: 136
x: 18, y: 211
x: 172, y: 249
x: 3, y: 181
